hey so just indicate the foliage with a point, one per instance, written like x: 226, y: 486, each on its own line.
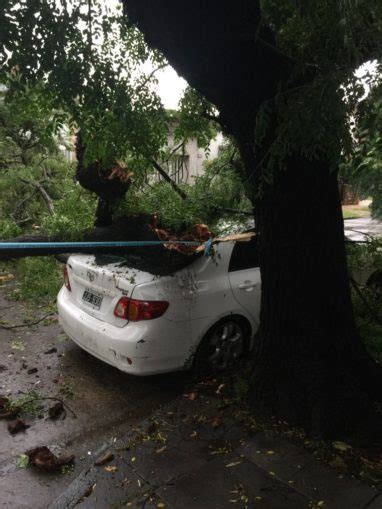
x: 88, y: 58
x: 314, y: 103
x: 364, y: 260
x: 93, y: 71
x: 365, y: 255
x: 194, y: 119
x: 218, y: 188
x: 22, y: 461
x: 39, y: 279
x: 27, y: 126
x: 9, y: 229
x: 37, y: 186
x: 29, y: 403
x: 94, y: 66
x: 364, y: 168
x: 73, y: 213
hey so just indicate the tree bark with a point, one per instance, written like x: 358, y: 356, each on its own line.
x: 310, y: 367
x: 93, y: 177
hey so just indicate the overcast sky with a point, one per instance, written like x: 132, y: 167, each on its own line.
x: 170, y: 87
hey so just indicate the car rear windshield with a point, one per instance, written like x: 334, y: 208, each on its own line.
x: 245, y: 255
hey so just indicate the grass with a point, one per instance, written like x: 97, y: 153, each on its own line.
x: 355, y: 211
x: 38, y: 279
x: 352, y: 214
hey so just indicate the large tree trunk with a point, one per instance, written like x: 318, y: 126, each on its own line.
x: 311, y: 367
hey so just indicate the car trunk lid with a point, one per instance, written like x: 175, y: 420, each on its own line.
x: 96, y: 289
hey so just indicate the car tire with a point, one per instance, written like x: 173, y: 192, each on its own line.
x: 223, y: 347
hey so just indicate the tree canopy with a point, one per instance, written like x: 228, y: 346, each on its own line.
x: 363, y: 168
x: 96, y: 72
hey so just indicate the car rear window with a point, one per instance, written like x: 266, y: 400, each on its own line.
x: 244, y: 256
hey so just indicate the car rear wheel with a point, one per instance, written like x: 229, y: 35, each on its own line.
x: 223, y: 347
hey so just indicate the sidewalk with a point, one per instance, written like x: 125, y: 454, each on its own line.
x: 196, y: 453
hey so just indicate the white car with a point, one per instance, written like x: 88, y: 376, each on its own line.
x: 144, y: 324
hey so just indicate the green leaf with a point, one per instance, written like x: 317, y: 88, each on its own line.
x: 22, y: 461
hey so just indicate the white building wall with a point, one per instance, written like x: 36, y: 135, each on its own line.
x: 197, y: 156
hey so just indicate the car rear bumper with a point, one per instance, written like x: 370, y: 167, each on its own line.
x: 131, y: 348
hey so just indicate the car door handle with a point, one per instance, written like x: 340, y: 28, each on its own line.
x: 246, y: 285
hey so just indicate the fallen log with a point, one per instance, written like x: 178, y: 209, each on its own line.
x: 155, y: 259
x: 124, y: 229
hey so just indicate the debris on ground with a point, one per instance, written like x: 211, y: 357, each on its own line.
x: 105, y: 458
x: 3, y: 368
x: 56, y: 410
x: 7, y: 409
x: 32, y: 371
x: 16, y: 426
x: 111, y: 469
x: 44, y: 459
x: 4, y: 402
x: 6, y: 277
x: 51, y: 350
x: 152, y: 428
x: 216, y: 422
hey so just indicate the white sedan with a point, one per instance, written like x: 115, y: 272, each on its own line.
x: 206, y: 313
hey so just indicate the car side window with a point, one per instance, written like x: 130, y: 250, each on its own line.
x: 244, y: 256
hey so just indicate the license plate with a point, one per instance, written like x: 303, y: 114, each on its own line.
x: 92, y: 298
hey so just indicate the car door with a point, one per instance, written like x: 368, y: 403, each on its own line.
x: 244, y: 276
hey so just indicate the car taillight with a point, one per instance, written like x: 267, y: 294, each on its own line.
x: 66, y: 279
x: 135, y: 310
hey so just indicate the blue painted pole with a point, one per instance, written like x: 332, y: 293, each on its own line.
x: 69, y: 246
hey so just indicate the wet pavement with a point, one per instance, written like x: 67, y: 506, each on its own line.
x: 105, y: 401
x: 362, y: 228
x: 201, y: 452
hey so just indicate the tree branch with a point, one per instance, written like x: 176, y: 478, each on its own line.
x: 213, y: 118
x: 174, y: 150
x: 148, y: 78
x: 48, y: 200
x: 28, y: 324
x: 168, y: 179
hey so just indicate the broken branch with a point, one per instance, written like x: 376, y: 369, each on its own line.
x: 9, y: 327
x: 168, y: 179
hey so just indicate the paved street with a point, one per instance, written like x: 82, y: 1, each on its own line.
x: 201, y: 452
x: 106, y: 402
x: 360, y: 229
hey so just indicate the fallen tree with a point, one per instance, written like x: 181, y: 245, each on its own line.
x: 165, y: 256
